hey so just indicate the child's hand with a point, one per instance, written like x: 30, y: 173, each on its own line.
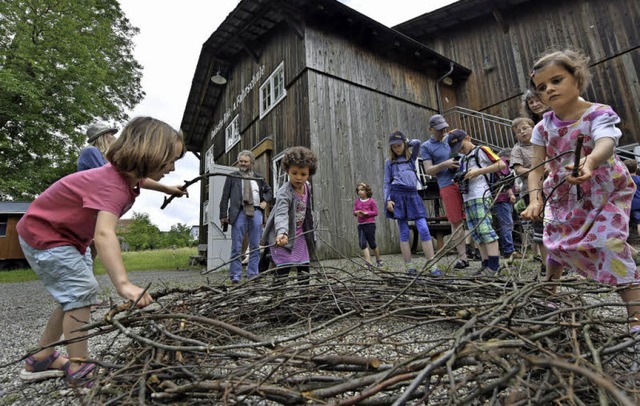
x: 282, y: 240
x: 177, y: 191
x: 472, y: 173
x: 390, y: 205
x: 533, y: 212
x: 360, y: 213
x: 584, y: 173
x: 132, y: 292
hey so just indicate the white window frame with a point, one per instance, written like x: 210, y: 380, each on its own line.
x: 280, y: 177
x: 205, y: 213
x: 272, y: 91
x: 232, y: 133
x: 208, y: 160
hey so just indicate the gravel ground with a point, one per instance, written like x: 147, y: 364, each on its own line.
x: 25, y: 308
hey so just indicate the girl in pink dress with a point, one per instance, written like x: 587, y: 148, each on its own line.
x: 587, y: 214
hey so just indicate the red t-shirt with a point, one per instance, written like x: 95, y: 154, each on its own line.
x: 66, y: 213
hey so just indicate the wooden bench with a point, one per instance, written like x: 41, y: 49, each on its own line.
x: 438, y: 228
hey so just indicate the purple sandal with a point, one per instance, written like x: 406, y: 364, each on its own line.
x: 40, y: 369
x: 82, y: 378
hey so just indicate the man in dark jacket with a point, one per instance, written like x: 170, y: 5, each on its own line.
x: 242, y: 205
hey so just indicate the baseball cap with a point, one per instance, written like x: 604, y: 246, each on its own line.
x: 438, y: 122
x: 454, y: 139
x: 397, y: 137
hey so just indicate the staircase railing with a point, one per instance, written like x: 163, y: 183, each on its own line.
x: 487, y: 129
x: 496, y: 132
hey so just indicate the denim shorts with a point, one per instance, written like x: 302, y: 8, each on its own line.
x: 66, y: 274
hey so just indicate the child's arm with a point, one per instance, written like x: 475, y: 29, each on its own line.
x: 601, y: 152
x: 108, y: 247
x: 536, y: 175
x: 161, y: 187
x: 281, y: 218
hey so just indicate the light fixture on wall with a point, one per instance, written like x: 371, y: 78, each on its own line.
x: 218, y: 79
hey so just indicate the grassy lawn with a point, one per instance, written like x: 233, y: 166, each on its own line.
x: 166, y: 259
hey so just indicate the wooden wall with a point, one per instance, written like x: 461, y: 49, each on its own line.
x: 356, y: 100
x: 287, y: 122
x: 9, y: 244
x: 501, y: 56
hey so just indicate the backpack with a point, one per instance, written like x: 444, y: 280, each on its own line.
x: 495, y: 180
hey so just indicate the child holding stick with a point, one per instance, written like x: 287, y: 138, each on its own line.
x: 588, y: 205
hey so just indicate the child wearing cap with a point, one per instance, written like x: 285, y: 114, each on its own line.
x: 477, y: 199
x: 402, y: 201
x: 438, y: 161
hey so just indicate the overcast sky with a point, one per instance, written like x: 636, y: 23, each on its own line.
x: 168, y: 46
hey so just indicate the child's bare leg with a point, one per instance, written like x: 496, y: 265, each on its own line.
x: 427, y: 248
x: 365, y: 254
x: 51, y: 334
x: 376, y: 252
x: 633, y: 310
x: 73, y: 320
x: 554, y: 271
x: 405, y: 248
x: 491, y: 249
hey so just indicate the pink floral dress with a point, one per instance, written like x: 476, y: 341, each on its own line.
x: 587, y: 235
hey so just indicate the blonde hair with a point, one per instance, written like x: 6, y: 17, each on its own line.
x: 145, y: 145
x: 407, y: 152
x: 521, y: 120
x: 102, y: 144
x: 575, y: 62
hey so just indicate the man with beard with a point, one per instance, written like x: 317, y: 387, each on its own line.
x: 242, y: 205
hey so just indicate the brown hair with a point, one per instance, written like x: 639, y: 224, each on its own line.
x: 575, y: 62
x: 145, y: 145
x: 521, y: 120
x: 301, y: 157
x: 367, y: 189
x: 632, y: 165
x: 525, y: 110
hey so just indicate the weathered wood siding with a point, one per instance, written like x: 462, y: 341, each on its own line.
x: 9, y: 244
x: 287, y: 122
x: 356, y: 100
x: 607, y: 31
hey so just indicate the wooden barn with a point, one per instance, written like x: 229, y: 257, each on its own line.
x: 10, y: 251
x: 499, y: 40
x: 319, y: 74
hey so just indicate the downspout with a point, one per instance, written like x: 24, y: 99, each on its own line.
x: 438, y: 86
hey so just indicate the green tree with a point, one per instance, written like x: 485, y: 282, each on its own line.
x: 180, y: 236
x: 141, y: 234
x: 63, y: 64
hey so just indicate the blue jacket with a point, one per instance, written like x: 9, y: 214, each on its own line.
x: 401, y: 171
x: 90, y: 157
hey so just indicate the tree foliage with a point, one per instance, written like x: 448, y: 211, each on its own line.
x: 140, y: 234
x: 63, y: 64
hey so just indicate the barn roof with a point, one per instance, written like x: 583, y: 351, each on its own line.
x: 243, y: 28
x: 460, y: 12
x: 14, y: 207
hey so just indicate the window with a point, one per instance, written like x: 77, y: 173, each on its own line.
x: 232, y: 134
x: 205, y: 213
x: 279, y: 175
x: 4, y: 219
x: 208, y: 160
x: 272, y: 91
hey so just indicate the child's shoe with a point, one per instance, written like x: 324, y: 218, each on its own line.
x: 41, y: 369
x: 461, y: 264
x: 379, y: 264
x: 412, y: 271
x: 82, y: 378
x: 436, y: 272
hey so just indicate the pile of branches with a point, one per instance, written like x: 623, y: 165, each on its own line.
x: 371, y: 338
